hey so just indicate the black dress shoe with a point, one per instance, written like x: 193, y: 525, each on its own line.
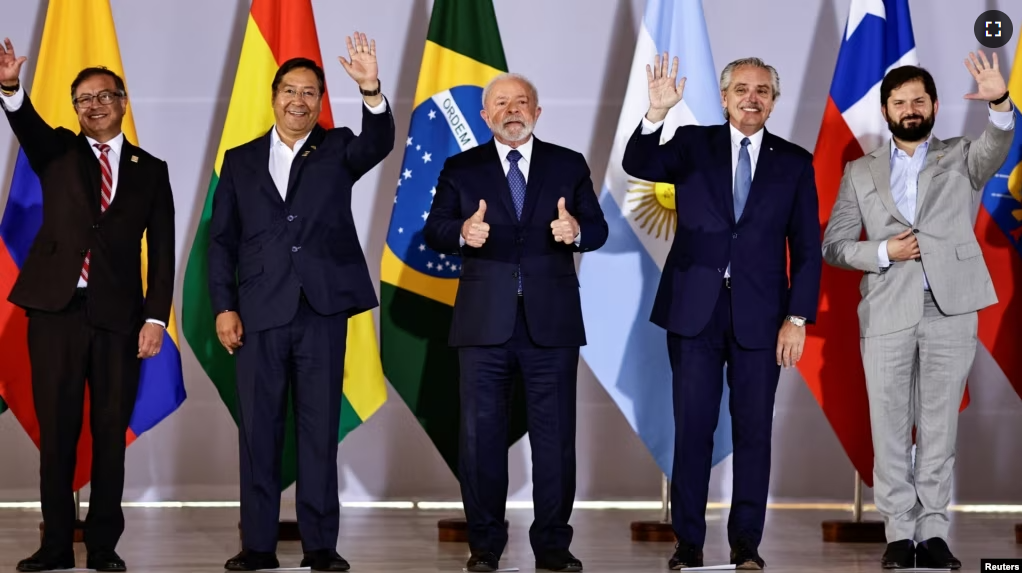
x: 685, y: 556
x: 483, y: 562
x: 934, y: 553
x: 560, y: 560
x: 44, y: 561
x: 105, y: 561
x: 252, y: 561
x: 899, y: 555
x: 745, y: 557
x: 326, y: 560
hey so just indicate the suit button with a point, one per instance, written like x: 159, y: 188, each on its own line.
x: 295, y: 249
x: 734, y: 235
x: 82, y: 252
x: 915, y: 231
x: 290, y: 217
x: 514, y: 274
x: 96, y: 226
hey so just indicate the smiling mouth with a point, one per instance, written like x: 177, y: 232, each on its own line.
x: 97, y: 115
x: 297, y: 113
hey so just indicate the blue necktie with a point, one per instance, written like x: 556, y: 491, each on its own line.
x: 516, y: 181
x: 743, y: 178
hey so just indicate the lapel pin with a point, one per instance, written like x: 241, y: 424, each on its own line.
x: 313, y: 146
x: 306, y: 153
x: 134, y: 159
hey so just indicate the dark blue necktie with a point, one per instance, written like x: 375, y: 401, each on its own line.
x: 516, y: 181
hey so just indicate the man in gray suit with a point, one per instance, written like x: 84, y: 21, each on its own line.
x: 925, y: 279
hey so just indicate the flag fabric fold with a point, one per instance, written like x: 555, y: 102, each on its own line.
x: 76, y: 35
x: 999, y: 231
x: 626, y: 352
x: 463, y: 53
x: 276, y: 31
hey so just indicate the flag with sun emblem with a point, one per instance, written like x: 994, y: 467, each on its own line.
x: 626, y: 352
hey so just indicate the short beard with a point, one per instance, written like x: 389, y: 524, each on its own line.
x: 917, y: 133
x: 521, y: 135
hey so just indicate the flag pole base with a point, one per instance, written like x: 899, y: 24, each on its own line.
x: 1018, y: 533
x: 79, y: 535
x: 287, y: 530
x: 849, y: 531
x: 658, y: 531
x: 455, y: 530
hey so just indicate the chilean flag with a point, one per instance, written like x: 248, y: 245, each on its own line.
x: 878, y: 37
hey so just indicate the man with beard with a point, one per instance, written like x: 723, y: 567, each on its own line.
x: 516, y: 209
x: 285, y: 262
x: 925, y: 280
x: 746, y: 199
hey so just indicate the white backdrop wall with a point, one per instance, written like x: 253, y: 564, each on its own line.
x: 180, y: 58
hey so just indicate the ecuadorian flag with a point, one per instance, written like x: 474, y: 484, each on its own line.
x: 76, y: 35
x: 277, y: 31
x: 463, y: 53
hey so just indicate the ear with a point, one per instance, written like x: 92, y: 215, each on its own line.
x: 936, y: 105
x: 539, y: 110
x: 482, y: 114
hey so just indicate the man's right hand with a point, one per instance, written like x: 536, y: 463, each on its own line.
x: 229, y: 330
x: 10, y: 65
x: 664, y: 89
x: 474, y: 230
x: 903, y: 247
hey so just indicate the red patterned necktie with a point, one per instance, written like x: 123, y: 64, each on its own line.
x: 108, y: 184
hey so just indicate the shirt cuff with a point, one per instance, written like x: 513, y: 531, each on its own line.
x: 1003, y: 120
x: 578, y: 237
x: 377, y: 109
x: 882, y: 255
x: 154, y: 321
x: 461, y: 241
x: 13, y: 103
x: 649, y: 127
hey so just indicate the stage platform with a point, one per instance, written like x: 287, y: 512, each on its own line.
x: 179, y: 540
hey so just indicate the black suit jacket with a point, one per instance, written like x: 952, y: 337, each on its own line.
x: 487, y: 300
x: 264, y: 250
x: 781, y: 216
x: 72, y: 224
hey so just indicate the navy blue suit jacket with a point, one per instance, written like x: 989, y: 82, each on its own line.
x: 780, y: 215
x: 277, y: 247
x: 487, y: 300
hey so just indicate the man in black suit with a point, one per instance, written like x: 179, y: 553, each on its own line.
x: 517, y: 209
x: 282, y: 225
x: 81, y: 287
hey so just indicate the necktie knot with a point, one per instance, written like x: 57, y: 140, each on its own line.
x: 102, y: 147
x: 514, y: 155
x: 745, y: 142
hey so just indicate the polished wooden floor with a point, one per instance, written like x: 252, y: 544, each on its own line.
x: 192, y: 540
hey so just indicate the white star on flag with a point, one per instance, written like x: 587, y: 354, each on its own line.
x: 407, y: 174
x: 426, y: 158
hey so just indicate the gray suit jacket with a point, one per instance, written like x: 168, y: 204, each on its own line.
x: 892, y: 298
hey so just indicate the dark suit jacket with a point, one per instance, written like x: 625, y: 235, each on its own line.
x: 487, y: 299
x: 264, y: 250
x: 69, y: 174
x: 780, y: 215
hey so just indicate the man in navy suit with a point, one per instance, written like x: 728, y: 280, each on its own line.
x: 282, y: 224
x: 745, y: 200
x: 516, y: 209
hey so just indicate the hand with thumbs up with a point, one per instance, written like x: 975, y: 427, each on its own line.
x: 475, y: 230
x: 565, y: 227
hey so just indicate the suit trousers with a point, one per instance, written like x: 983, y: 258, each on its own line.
x: 549, y: 378
x: 916, y: 377
x: 305, y: 358
x: 66, y: 352
x: 752, y: 375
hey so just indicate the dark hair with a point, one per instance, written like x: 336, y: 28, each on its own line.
x: 295, y: 64
x: 97, y: 71
x: 901, y: 76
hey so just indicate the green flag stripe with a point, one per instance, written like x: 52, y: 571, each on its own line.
x: 468, y: 27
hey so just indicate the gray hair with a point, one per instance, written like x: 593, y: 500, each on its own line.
x: 511, y: 76
x: 725, y: 76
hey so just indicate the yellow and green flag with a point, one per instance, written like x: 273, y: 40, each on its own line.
x: 277, y: 31
x: 463, y: 52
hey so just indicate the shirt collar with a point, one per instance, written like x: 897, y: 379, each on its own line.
x: 525, y: 149
x: 754, y: 140
x: 276, y: 140
x: 924, y: 146
x: 115, y: 144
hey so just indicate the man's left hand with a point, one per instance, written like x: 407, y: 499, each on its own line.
x: 362, y: 63
x: 790, y: 342
x: 564, y: 227
x: 150, y: 339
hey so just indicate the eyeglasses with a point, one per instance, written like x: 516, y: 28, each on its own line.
x: 291, y: 93
x: 104, y: 98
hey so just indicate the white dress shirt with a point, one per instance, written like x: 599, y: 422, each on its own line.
x: 282, y: 156
x: 755, y: 143
x: 905, y: 178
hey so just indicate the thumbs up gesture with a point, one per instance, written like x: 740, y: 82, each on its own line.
x: 474, y: 230
x: 564, y: 227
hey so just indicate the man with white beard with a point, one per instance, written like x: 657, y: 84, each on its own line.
x: 516, y: 209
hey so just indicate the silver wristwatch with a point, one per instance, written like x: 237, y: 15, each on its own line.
x: 797, y: 320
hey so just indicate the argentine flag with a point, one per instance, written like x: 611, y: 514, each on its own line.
x: 628, y: 353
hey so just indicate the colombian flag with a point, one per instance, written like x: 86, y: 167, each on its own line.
x: 76, y: 35
x: 277, y: 31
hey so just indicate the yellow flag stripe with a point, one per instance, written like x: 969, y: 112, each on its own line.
x: 394, y: 271
x: 443, y: 69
